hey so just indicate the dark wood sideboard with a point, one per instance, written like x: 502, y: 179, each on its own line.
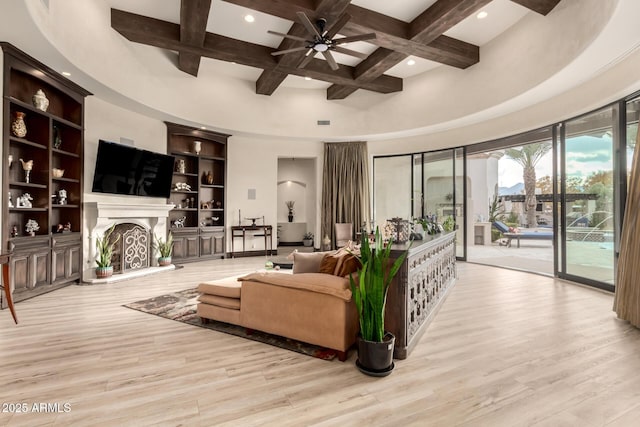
x: 419, y: 288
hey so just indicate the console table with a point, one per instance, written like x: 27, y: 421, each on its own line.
x: 419, y: 289
x: 6, y: 285
x: 241, y: 231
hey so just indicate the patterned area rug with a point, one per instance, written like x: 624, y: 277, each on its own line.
x: 181, y: 306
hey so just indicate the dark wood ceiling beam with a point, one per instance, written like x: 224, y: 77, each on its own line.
x: 543, y: 7
x: 166, y: 35
x: 425, y: 28
x: 194, y: 15
x: 270, y: 80
x: 392, y: 33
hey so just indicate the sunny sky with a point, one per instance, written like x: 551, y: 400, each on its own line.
x: 585, y: 155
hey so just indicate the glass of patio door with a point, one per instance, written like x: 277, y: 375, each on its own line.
x: 588, y: 217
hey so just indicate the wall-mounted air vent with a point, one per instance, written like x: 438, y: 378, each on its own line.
x: 324, y: 122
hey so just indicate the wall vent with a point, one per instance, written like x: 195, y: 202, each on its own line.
x: 324, y: 122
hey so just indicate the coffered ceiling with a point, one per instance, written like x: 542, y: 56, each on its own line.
x: 430, y: 32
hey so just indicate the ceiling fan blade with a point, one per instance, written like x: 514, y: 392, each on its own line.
x: 310, y: 55
x: 338, y: 26
x: 357, y: 38
x: 304, y: 19
x: 284, y: 52
x: 330, y: 60
x: 350, y: 52
x: 288, y: 36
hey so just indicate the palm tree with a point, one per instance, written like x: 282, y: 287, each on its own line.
x: 528, y: 157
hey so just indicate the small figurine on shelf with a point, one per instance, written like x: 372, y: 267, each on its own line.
x: 192, y: 202
x: 14, y: 231
x: 67, y: 227
x: 10, y: 201
x: 62, y: 196
x: 209, y: 178
x: 179, y: 223
x: 181, y: 186
x: 24, y: 201
x: 57, y: 228
x: 31, y: 227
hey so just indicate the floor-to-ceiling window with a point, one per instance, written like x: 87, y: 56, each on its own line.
x: 391, y: 188
x: 587, y: 197
x: 419, y: 185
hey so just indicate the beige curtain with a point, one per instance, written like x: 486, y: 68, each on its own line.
x: 626, y: 303
x: 345, y: 186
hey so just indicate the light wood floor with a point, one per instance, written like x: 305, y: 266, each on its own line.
x: 506, y: 349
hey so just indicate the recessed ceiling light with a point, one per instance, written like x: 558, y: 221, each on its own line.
x: 307, y: 78
x: 411, y: 62
x: 66, y: 73
x: 203, y: 127
x: 249, y: 18
x: 482, y: 15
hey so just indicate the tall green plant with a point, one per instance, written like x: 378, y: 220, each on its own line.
x: 374, y: 278
x: 105, y: 247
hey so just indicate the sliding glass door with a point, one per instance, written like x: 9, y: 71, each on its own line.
x: 587, y: 198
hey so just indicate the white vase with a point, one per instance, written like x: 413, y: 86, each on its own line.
x: 40, y: 100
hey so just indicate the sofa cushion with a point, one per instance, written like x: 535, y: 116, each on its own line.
x: 312, y: 282
x: 225, y: 302
x: 307, y: 262
x: 229, y: 287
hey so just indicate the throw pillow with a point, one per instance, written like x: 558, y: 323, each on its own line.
x: 307, y: 262
x: 349, y: 264
x: 328, y: 264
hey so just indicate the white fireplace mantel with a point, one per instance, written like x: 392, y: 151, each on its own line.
x: 102, y: 215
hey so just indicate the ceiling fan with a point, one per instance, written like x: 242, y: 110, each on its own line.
x: 323, y: 40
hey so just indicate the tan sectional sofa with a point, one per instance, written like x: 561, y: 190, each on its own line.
x: 306, y: 306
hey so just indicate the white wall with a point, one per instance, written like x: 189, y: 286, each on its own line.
x: 253, y: 164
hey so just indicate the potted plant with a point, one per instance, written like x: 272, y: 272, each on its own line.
x: 105, y: 247
x: 307, y: 240
x: 290, y: 204
x: 164, y: 248
x: 375, y: 345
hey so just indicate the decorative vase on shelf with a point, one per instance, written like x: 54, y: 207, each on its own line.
x: 57, y: 139
x: 209, y: 178
x: 181, y: 166
x: 290, y: 215
x: 18, y: 127
x: 27, y: 166
x: 197, y: 146
x: 40, y: 100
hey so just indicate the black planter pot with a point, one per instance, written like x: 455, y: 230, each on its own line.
x: 376, y: 358
x: 290, y: 217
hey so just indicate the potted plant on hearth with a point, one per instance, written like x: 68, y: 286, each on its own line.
x: 375, y: 345
x: 104, y: 247
x: 307, y: 240
x: 164, y: 248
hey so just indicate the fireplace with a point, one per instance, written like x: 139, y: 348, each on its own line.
x: 132, y: 250
x: 136, y: 224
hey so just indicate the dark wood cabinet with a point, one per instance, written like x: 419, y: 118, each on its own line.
x: 198, y: 192
x: 42, y: 175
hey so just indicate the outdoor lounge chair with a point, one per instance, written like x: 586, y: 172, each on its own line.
x: 511, y: 233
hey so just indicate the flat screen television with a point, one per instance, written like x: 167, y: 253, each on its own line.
x: 121, y: 169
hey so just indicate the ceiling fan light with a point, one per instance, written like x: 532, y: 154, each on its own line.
x: 320, y: 47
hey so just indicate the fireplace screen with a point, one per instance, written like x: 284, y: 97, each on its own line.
x: 132, y: 249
